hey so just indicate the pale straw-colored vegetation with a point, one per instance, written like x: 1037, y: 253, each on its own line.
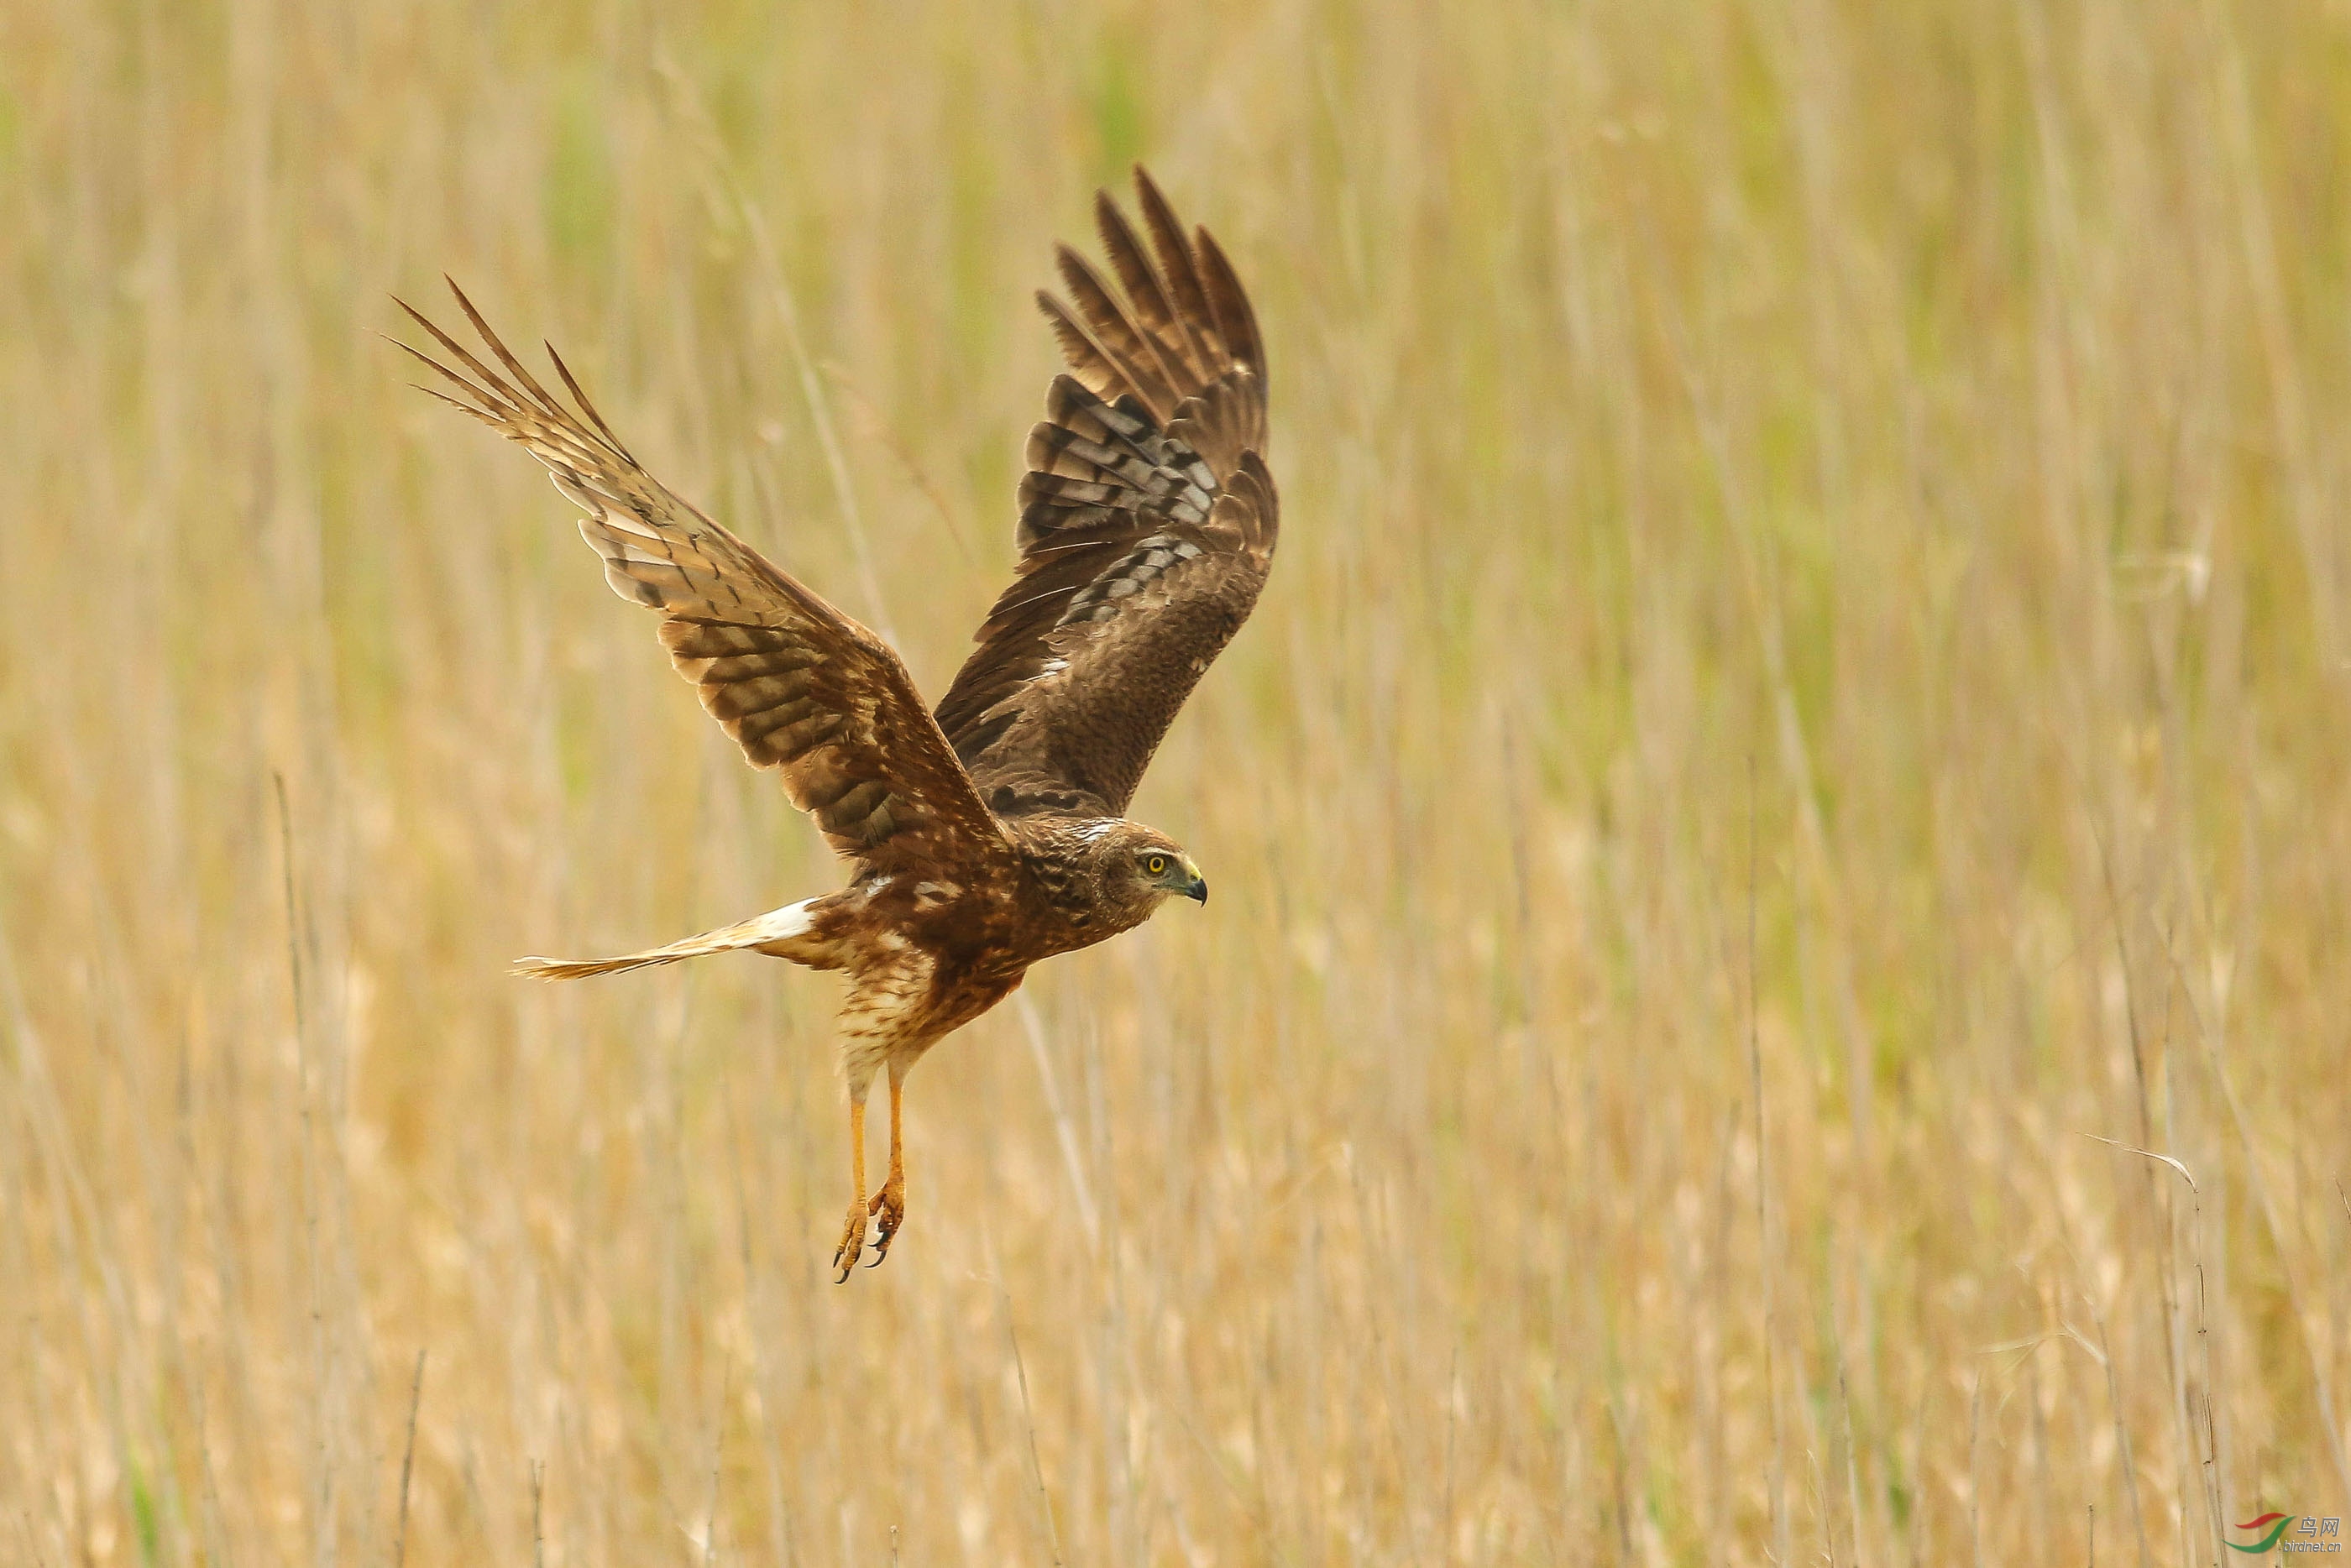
x: 1805, y: 689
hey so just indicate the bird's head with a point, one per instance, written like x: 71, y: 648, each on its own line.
x: 1140, y: 867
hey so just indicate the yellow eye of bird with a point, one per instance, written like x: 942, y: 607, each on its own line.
x: 1155, y: 864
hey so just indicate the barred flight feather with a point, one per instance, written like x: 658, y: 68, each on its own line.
x: 1148, y: 522
x: 799, y: 686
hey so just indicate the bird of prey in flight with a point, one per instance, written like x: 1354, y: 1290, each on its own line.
x: 990, y: 832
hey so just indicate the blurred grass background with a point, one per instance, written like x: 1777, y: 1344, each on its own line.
x: 1806, y: 684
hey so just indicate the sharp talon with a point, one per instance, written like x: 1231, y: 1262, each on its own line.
x: 852, y: 1242
x: 888, y: 1207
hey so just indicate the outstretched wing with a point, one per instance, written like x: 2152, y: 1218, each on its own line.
x: 1147, y: 524
x: 801, y: 687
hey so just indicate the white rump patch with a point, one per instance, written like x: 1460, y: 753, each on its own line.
x: 777, y: 925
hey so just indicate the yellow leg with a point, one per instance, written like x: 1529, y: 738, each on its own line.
x: 853, y: 1235
x: 889, y: 1206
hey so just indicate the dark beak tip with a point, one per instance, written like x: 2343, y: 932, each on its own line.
x: 1199, y: 890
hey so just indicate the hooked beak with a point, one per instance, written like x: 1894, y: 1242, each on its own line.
x: 1183, y: 879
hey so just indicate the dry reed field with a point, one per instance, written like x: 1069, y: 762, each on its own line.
x: 1801, y: 722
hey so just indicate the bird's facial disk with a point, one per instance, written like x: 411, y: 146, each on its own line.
x: 1172, y: 871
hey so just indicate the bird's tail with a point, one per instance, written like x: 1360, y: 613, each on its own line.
x: 775, y: 926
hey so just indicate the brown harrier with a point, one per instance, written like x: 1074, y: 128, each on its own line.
x: 990, y: 835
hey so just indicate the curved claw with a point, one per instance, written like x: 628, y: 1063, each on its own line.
x: 889, y: 1210
x: 852, y: 1242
